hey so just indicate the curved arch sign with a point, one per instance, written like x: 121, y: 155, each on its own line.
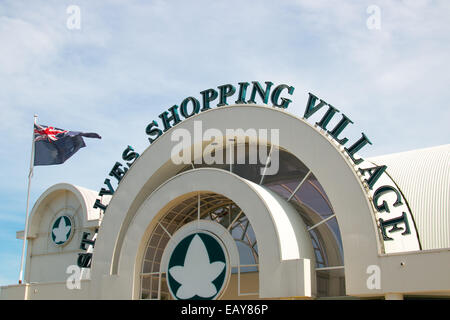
x: 392, y: 215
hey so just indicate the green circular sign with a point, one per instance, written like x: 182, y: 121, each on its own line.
x: 61, y: 230
x: 198, y: 268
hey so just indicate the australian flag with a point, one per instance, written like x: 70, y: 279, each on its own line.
x: 55, y: 146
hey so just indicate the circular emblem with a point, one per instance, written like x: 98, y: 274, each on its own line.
x: 198, y: 267
x: 62, y: 230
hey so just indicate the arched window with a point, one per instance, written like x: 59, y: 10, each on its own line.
x: 293, y: 181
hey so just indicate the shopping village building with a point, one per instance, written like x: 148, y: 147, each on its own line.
x: 236, y: 198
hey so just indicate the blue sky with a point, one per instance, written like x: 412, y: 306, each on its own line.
x: 131, y: 60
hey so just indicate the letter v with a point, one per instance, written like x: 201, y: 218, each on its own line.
x: 310, y: 106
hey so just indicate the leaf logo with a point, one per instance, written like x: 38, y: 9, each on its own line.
x: 61, y: 230
x: 197, y: 268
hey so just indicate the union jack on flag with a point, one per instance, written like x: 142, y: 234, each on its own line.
x: 47, y: 133
x: 54, y: 146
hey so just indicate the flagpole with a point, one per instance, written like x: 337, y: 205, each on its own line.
x: 30, y: 175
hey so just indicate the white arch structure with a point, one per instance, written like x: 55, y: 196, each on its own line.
x: 285, y: 241
x: 143, y: 193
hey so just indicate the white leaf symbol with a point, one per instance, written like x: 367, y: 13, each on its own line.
x: 61, y: 232
x: 197, y: 274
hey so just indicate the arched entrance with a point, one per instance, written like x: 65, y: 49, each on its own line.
x: 284, y: 247
x: 203, y: 207
x: 320, y: 155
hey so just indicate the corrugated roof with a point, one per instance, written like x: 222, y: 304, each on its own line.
x: 423, y: 177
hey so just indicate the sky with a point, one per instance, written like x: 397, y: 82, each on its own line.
x: 383, y: 63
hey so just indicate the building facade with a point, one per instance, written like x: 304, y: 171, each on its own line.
x: 278, y: 208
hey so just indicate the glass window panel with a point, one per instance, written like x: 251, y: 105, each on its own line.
x: 319, y: 250
x: 284, y: 188
x: 238, y: 228
x: 250, y: 236
x: 331, y: 242
x: 145, y: 294
x: 147, y: 267
x: 159, y: 253
x: 146, y: 283
x: 155, y: 267
x: 289, y: 167
x: 245, y: 253
x: 330, y: 283
x: 155, y: 283
x: 313, y: 180
x: 280, y: 190
x: 150, y: 249
x: 249, y: 269
x: 314, y: 198
x: 164, y: 288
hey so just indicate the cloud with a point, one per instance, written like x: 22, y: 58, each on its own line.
x: 23, y: 46
x: 130, y: 61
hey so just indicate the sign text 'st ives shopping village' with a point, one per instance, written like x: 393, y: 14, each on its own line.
x: 235, y: 198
